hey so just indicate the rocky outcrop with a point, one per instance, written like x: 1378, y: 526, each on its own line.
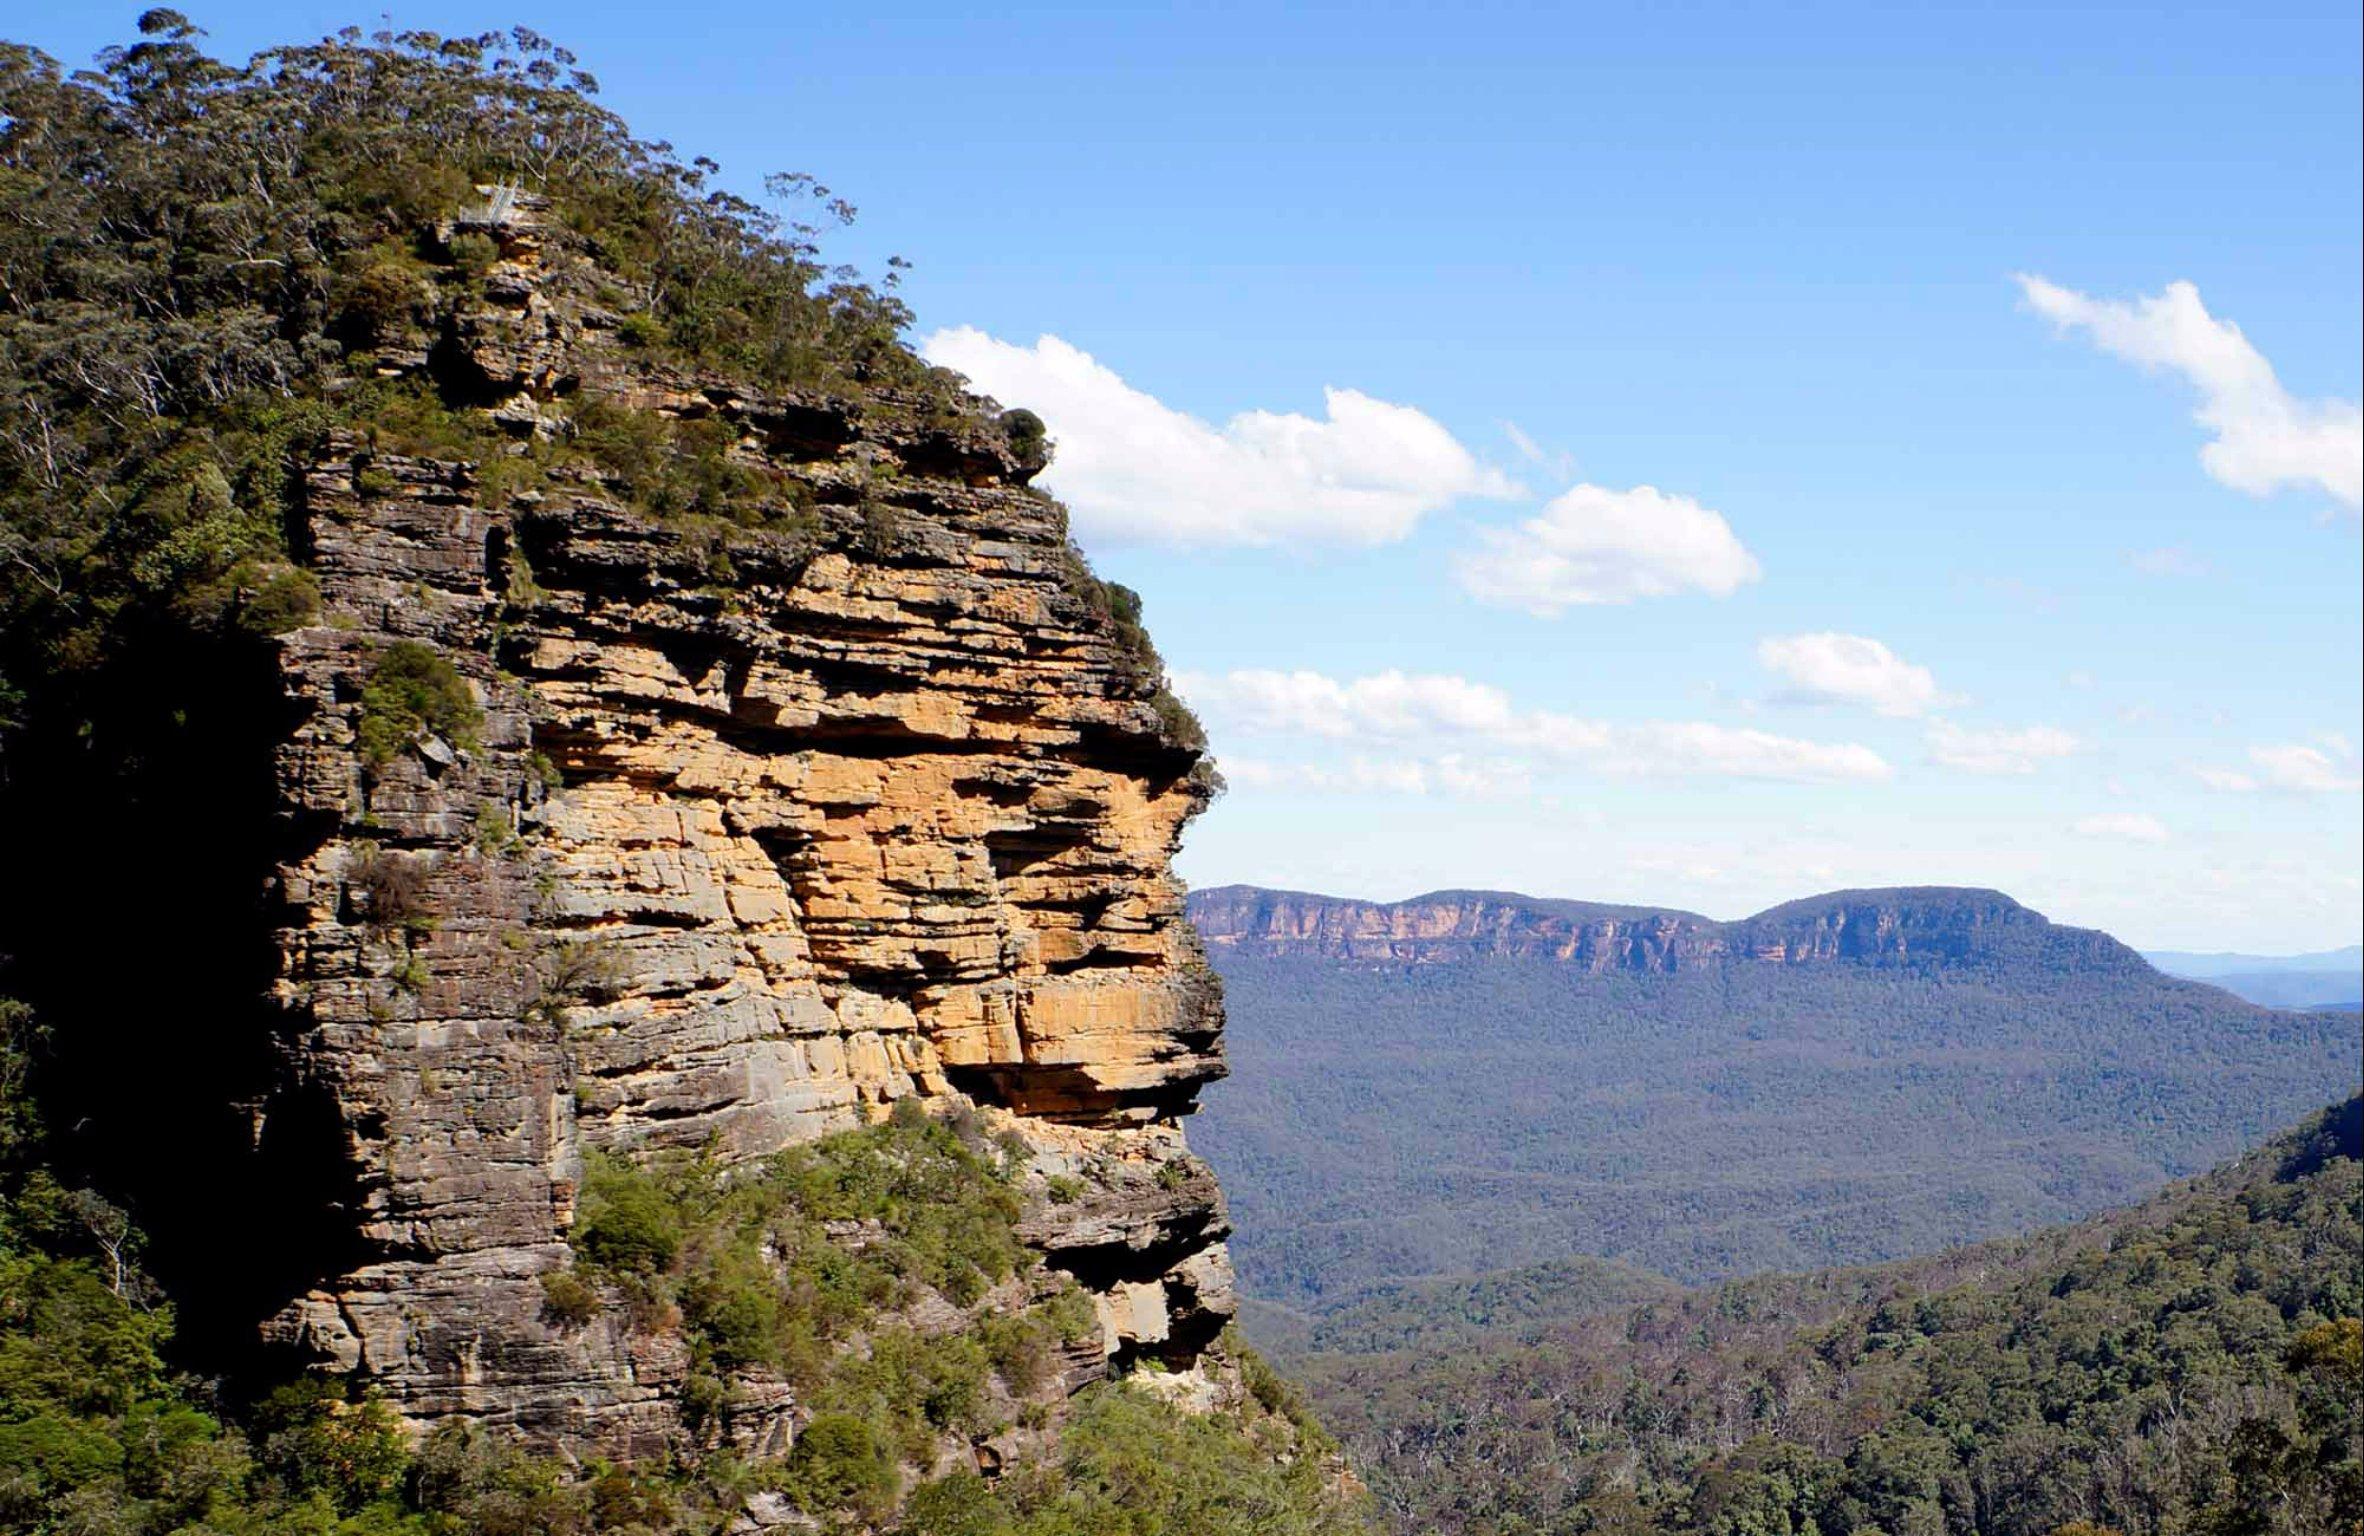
x: 1916, y: 926
x: 767, y: 820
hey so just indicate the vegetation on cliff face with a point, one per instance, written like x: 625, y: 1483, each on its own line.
x: 100, y: 1434
x: 2193, y: 1365
x: 811, y: 1269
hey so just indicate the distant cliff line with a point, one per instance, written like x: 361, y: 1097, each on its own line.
x: 1906, y: 926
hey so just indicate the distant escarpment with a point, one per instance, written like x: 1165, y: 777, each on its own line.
x: 1471, y: 1080
x: 1906, y: 926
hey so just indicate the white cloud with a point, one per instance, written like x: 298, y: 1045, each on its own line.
x: 2309, y: 770
x: 1450, y: 774
x: 1595, y: 545
x: 1700, y: 747
x: 2168, y: 560
x: 1132, y: 468
x: 2264, y: 438
x: 2329, y: 769
x: 1850, y: 669
x: 1383, y: 704
x: 2125, y: 826
x: 1999, y: 751
x: 1396, y: 706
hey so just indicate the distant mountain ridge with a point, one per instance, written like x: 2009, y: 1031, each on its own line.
x: 1485, y: 1080
x: 1905, y: 926
x: 2331, y: 978
x: 2214, y: 963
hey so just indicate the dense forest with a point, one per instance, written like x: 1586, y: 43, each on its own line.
x: 2194, y: 1364
x: 1439, y: 1317
x: 1387, y: 1121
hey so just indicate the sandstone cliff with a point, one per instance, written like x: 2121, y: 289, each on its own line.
x: 757, y: 826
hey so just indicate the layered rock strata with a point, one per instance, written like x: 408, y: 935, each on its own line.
x: 761, y: 830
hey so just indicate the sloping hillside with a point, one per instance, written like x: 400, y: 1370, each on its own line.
x: 2192, y: 1364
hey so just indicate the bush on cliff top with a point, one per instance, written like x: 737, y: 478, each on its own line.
x: 196, y: 253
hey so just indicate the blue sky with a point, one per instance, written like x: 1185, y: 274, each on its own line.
x: 1936, y: 585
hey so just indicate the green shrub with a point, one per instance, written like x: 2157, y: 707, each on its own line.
x: 496, y: 830
x: 1029, y: 440
x: 737, y: 1306
x: 314, y: 1440
x: 911, y: 1386
x: 566, y: 1300
x: 1023, y: 1347
x: 277, y: 599
x: 485, y: 1484
x: 412, y: 692
x: 839, y: 1462
x: 625, y: 1220
x: 959, y: 1505
x: 378, y: 294
x: 1178, y: 723
x: 1130, y: 1463
x: 473, y: 254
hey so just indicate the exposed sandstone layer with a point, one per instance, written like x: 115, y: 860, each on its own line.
x: 1906, y: 926
x: 762, y: 830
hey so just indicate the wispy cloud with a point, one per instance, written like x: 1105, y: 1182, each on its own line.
x: 1448, y: 774
x: 2167, y: 561
x: 1560, y: 465
x: 1999, y: 751
x: 2122, y: 826
x: 2262, y: 436
x: 1401, y: 706
x: 1828, y: 668
x: 1133, y: 469
x: 1591, y: 544
x: 2293, y: 767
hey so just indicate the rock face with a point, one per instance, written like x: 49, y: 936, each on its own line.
x: 1918, y: 926
x: 761, y: 830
